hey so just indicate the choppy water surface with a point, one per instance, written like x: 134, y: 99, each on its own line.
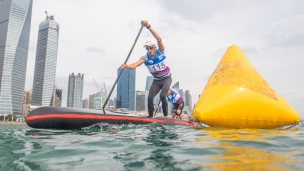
x: 151, y: 147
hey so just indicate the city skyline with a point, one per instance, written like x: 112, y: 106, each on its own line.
x: 15, y: 24
x: 196, y: 35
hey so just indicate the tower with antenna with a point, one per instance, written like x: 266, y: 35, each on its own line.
x: 47, y: 16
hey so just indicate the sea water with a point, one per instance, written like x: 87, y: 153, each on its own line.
x: 150, y: 147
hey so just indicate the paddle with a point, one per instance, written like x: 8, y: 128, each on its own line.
x: 157, y: 108
x: 105, y: 103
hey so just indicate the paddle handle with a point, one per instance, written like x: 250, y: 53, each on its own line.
x: 105, y: 103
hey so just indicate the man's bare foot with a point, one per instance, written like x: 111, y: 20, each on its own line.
x: 166, y: 116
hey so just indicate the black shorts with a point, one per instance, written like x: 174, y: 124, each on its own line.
x: 179, y: 106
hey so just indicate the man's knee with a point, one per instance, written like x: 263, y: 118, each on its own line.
x: 163, y: 97
x: 150, y: 99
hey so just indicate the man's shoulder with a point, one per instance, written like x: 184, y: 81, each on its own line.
x: 161, y: 50
x: 144, y: 58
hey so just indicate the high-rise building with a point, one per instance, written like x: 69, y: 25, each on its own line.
x: 99, y: 99
x: 188, y: 100
x: 27, y: 97
x: 157, y: 97
x: 56, y: 97
x: 15, y: 22
x: 142, y: 100
x: 85, y: 103
x: 182, y: 94
x: 26, y: 102
x: 45, y: 64
x: 149, y: 82
x: 126, y: 89
x: 75, y: 90
x: 176, y: 86
x: 111, y: 104
x: 91, y: 101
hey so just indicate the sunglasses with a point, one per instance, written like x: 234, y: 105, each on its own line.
x: 149, y: 47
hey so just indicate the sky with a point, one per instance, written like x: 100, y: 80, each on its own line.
x: 96, y: 36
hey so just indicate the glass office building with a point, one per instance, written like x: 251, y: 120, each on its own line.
x: 75, y: 90
x: 188, y: 100
x: 156, y: 99
x: 15, y: 22
x: 142, y: 100
x: 126, y: 89
x: 149, y: 82
x: 56, y: 97
x: 45, y: 64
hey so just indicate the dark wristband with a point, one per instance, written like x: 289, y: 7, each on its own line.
x: 148, y: 27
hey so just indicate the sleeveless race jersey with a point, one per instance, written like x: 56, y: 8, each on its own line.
x: 157, y: 66
x: 174, y: 97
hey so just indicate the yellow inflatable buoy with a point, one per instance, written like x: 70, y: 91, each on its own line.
x: 236, y: 95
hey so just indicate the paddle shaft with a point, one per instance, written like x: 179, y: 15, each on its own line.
x: 105, y: 103
x: 157, y: 108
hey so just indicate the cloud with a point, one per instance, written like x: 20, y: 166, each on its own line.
x: 97, y: 50
x: 286, y: 33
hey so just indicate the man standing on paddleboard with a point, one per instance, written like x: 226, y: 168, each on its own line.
x: 155, y: 61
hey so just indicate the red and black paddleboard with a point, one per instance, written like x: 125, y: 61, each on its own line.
x: 77, y: 118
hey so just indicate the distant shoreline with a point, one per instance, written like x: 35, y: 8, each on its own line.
x: 12, y: 123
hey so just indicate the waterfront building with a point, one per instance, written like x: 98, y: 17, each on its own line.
x: 142, y: 100
x: 147, y: 88
x: 115, y: 102
x: 182, y: 94
x: 91, y: 101
x: 126, y: 89
x: 15, y: 23
x: 85, y: 103
x: 75, y: 90
x: 188, y: 100
x: 187, y: 111
x: 27, y: 97
x: 26, y: 102
x: 56, y: 97
x: 99, y: 99
x: 176, y: 86
x: 45, y: 63
x: 111, y: 104
x: 149, y: 82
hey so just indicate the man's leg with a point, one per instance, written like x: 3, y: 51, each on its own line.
x: 163, y: 92
x: 154, y: 89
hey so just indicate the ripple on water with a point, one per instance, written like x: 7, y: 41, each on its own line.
x: 150, y: 147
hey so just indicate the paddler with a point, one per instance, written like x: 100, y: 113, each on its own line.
x: 178, y: 104
x: 156, y: 62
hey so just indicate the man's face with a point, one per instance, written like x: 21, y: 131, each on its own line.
x: 169, y: 92
x: 151, y: 50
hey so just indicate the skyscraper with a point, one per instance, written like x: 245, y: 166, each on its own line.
x: 126, y: 89
x: 56, y: 97
x: 45, y: 64
x: 188, y: 100
x: 75, y: 90
x: 157, y: 97
x: 149, y: 82
x: 142, y: 100
x: 85, y: 103
x: 99, y: 99
x: 91, y: 101
x: 176, y: 86
x: 15, y: 22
